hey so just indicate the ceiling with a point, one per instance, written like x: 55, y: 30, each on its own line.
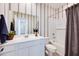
x: 57, y: 5
x: 54, y: 5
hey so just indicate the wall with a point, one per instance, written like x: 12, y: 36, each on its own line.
x: 23, y: 10
x: 39, y: 14
x: 43, y: 18
x: 4, y: 7
x: 36, y: 14
x: 60, y: 20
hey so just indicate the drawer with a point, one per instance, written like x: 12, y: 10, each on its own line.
x: 27, y: 44
x: 8, y: 48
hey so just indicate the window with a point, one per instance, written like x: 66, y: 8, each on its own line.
x: 21, y: 26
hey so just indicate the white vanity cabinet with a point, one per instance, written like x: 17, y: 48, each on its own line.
x: 36, y: 50
x: 29, y: 47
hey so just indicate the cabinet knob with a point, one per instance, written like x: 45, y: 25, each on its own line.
x: 1, y: 49
x: 54, y: 37
x: 53, y: 33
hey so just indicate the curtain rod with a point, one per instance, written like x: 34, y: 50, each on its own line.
x: 62, y: 10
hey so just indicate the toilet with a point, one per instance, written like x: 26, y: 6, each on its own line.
x: 50, y: 49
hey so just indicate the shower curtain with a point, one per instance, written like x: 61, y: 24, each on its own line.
x: 72, y: 31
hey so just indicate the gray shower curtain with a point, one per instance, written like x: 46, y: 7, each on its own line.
x: 72, y: 31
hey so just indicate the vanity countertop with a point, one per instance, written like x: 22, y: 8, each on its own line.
x: 22, y: 38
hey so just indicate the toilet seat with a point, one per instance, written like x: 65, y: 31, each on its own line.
x: 50, y: 49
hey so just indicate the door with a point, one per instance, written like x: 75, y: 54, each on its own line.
x: 52, y: 29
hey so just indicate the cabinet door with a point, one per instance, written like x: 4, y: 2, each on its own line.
x: 37, y: 50
x: 18, y: 52
x: 11, y: 53
x: 22, y: 52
